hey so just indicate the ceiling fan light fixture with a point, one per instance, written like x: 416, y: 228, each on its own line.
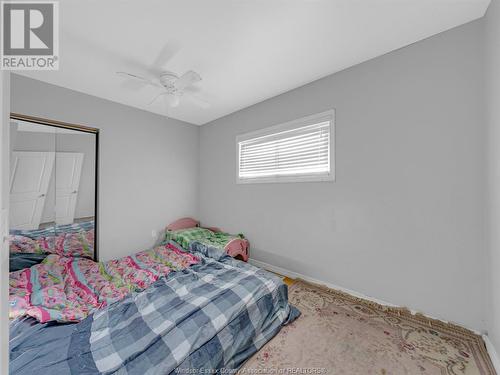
x: 168, y: 79
x: 172, y: 85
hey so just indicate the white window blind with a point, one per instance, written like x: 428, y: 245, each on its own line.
x: 296, y: 151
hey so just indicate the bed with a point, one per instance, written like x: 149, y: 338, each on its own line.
x: 187, y: 229
x: 210, y: 312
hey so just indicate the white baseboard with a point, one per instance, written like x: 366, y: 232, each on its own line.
x: 495, y: 358
x: 296, y: 275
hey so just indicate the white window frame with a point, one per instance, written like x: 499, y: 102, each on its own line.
x: 290, y: 125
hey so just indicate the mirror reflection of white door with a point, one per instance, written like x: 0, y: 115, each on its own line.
x: 29, y: 182
x: 68, y: 172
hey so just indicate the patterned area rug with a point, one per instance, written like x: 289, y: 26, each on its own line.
x: 341, y: 334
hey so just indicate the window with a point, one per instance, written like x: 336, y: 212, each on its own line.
x: 300, y: 150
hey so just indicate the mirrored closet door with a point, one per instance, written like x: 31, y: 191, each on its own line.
x: 53, y: 190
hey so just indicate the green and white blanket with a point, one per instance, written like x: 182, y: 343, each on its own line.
x: 184, y: 237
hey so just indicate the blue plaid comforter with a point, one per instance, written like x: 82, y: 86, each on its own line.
x: 213, y: 315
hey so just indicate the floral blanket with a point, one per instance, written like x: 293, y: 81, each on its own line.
x: 67, y: 288
x: 65, y: 244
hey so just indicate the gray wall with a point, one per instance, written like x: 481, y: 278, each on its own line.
x: 148, y: 165
x: 83, y: 143
x: 493, y: 96
x: 404, y: 220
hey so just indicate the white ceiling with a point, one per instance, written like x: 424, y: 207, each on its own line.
x: 245, y: 50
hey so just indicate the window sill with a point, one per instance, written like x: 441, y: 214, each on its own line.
x: 286, y: 179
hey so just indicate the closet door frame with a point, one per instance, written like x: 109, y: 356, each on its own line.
x: 81, y: 128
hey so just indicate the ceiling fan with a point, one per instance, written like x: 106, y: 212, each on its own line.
x: 173, y: 87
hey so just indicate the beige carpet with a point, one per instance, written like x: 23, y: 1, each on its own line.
x: 341, y: 334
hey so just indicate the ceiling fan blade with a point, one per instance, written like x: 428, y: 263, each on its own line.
x: 169, y: 99
x: 167, y: 52
x: 132, y: 76
x: 156, y: 97
x: 187, y: 79
x: 139, y: 79
x: 197, y: 100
